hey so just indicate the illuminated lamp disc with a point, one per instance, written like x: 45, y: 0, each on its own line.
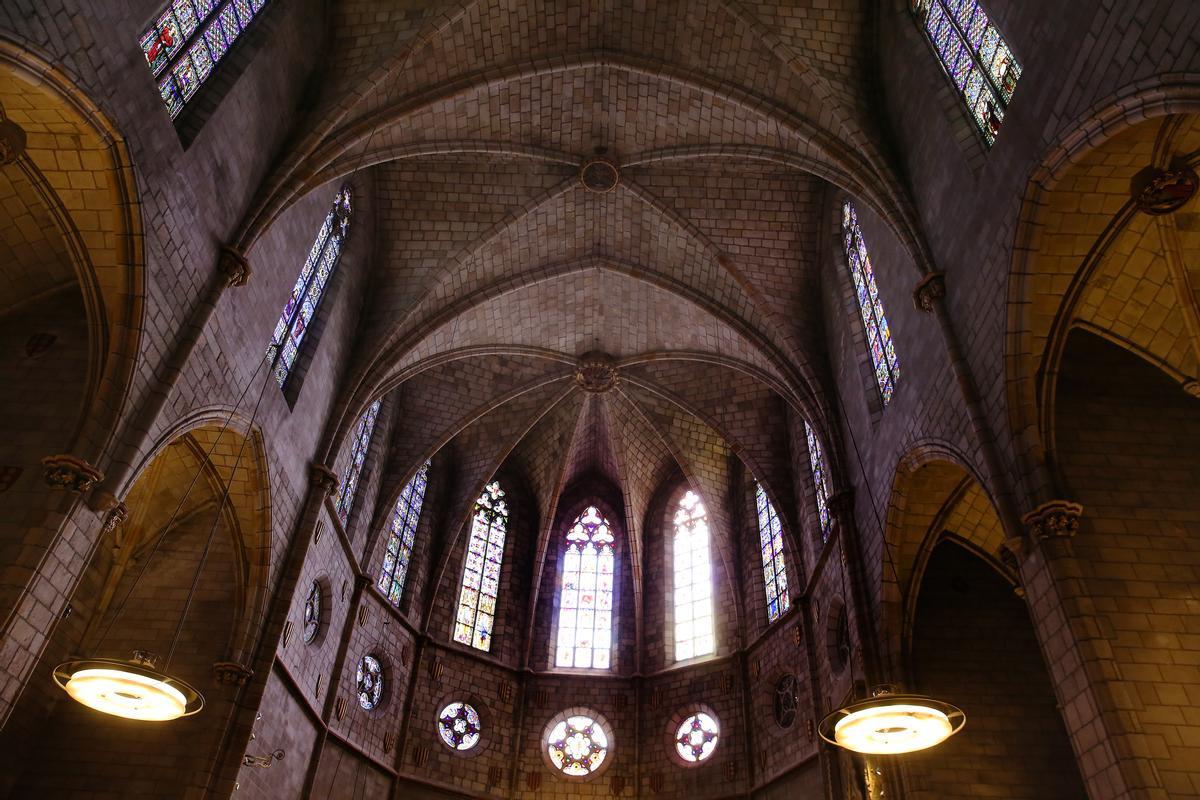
x: 892, y: 724
x: 127, y: 690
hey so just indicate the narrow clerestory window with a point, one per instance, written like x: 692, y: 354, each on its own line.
x: 879, y: 335
x: 481, y: 570
x: 816, y: 460
x: 585, y: 598
x: 402, y: 535
x: 692, y: 584
x: 770, y: 540
x: 348, y: 487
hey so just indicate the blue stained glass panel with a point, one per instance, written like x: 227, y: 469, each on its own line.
x: 770, y: 534
x: 481, y: 570
x: 358, y: 456
x: 816, y: 460
x: 879, y: 344
x: 402, y: 535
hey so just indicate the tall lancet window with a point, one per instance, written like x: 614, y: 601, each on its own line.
x: 481, y: 571
x: 401, y: 536
x: 310, y: 286
x: 816, y: 460
x: 879, y: 336
x: 974, y: 56
x: 585, y: 601
x: 348, y: 487
x: 770, y: 539
x: 693, y: 580
x: 187, y: 39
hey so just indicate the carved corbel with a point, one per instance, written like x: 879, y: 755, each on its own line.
x: 234, y: 266
x: 68, y: 472
x: 928, y: 291
x: 1056, y: 519
x: 323, y: 478
x: 12, y: 142
x: 231, y: 673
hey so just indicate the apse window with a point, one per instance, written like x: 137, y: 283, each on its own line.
x: 696, y: 738
x: 188, y: 39
x: 879, y: 335
x: 577, y: 744
x: 481, y: 570
x: 770, y: 540
x: 585, y: 599
x: 692, y: 574
x: 358, y: 456
x: 306, y: 294
x: 369, y: 682
x: 459, y: 726
x: 402, y: 535
x: 312, y: 612
x: 816, y: 461
x: 974, y: 56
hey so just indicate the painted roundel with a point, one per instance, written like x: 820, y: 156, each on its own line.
x: 459, y: 726
x: 577, y: 745
x: 369, y: 682
x: 696, y: 737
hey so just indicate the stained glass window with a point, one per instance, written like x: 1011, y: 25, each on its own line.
x: 312, y: 613
x: 975, y: 56
x: 481, y: 571
x: 368, y: 681
x: 400, y: 537
x: 186, y: 41
x: 585, y: 600
x: 696, y: 738
x: 459, y: 726
x: 693, y: 580
x: 577, y: 745
x: 816, y: 460
x: 310, y: 286
x: 358, y: 454
x: 879, y: 336
x: 787, y: 700
x: 770, y: 540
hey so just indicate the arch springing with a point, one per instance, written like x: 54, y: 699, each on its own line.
x: 770, y: 539
x: 585, y: 599
x: 186, y: 41
x: 401, y: 536
x: 879, y: 335
x: 693, y: 606
x: 481, y: 570
x: 975, y: 57
x: 310, y: 287
x: 816, y: 460
x: 358, y: 455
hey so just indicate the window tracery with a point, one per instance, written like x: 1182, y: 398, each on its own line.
x: 481, y: 570
x: 368, y: 681
x: 577, y: 745
x: 309, y: 288
x: 696, y: 737
x: 770, y: 539
x: 188, y: 39
x: 879, y: 335
x: 585, y: 599
x: 401, y: 536
x: 459, y: 726
x: 975, y: 57
x: 692, y: 585
x: 358, y: 456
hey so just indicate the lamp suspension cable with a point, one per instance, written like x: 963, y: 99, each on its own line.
x: 886, y: 723
x: 135, y: 688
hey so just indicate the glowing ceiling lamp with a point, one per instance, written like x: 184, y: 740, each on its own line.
x: 891, y: 724
x: 132, y: 689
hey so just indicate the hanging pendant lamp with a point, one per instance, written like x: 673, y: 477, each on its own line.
x: 890, y: 724
x: 133, y: 689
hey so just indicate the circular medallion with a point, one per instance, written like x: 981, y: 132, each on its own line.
x: 369, y: 682
x: 312, y: 613
x: 459, y: 726
x: 696, y: 737
x: 1162, y: 191
x: 599, y: 175
x: 577, y: 745
x: 787, y: 699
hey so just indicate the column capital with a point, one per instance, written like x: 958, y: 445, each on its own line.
x: 231, y: 673
x: 64, y: 471
x: 322, y: 477
x: 1053, y: 519
x: 841, y: 502
x: 929, y: 290
x: 233, y: 265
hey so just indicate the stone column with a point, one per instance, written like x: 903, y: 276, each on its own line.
x: 1113, y: 756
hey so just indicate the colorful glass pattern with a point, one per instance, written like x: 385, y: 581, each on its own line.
x: 976, y: 58
x: 368, y: 681
x: 401, y: 536
x: 693, y: 581
x: 358, y: 454
x: 459, y: 726
x: 770, y: 540
x: 186, y: 40
x: 879, y: 335
x: 585, y: 601
x: 577, y: 745
x: 481, y: 570
x: 816, y: 460
x: 696, y: 738
x: 310, y: 287
x: 312, y: 613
